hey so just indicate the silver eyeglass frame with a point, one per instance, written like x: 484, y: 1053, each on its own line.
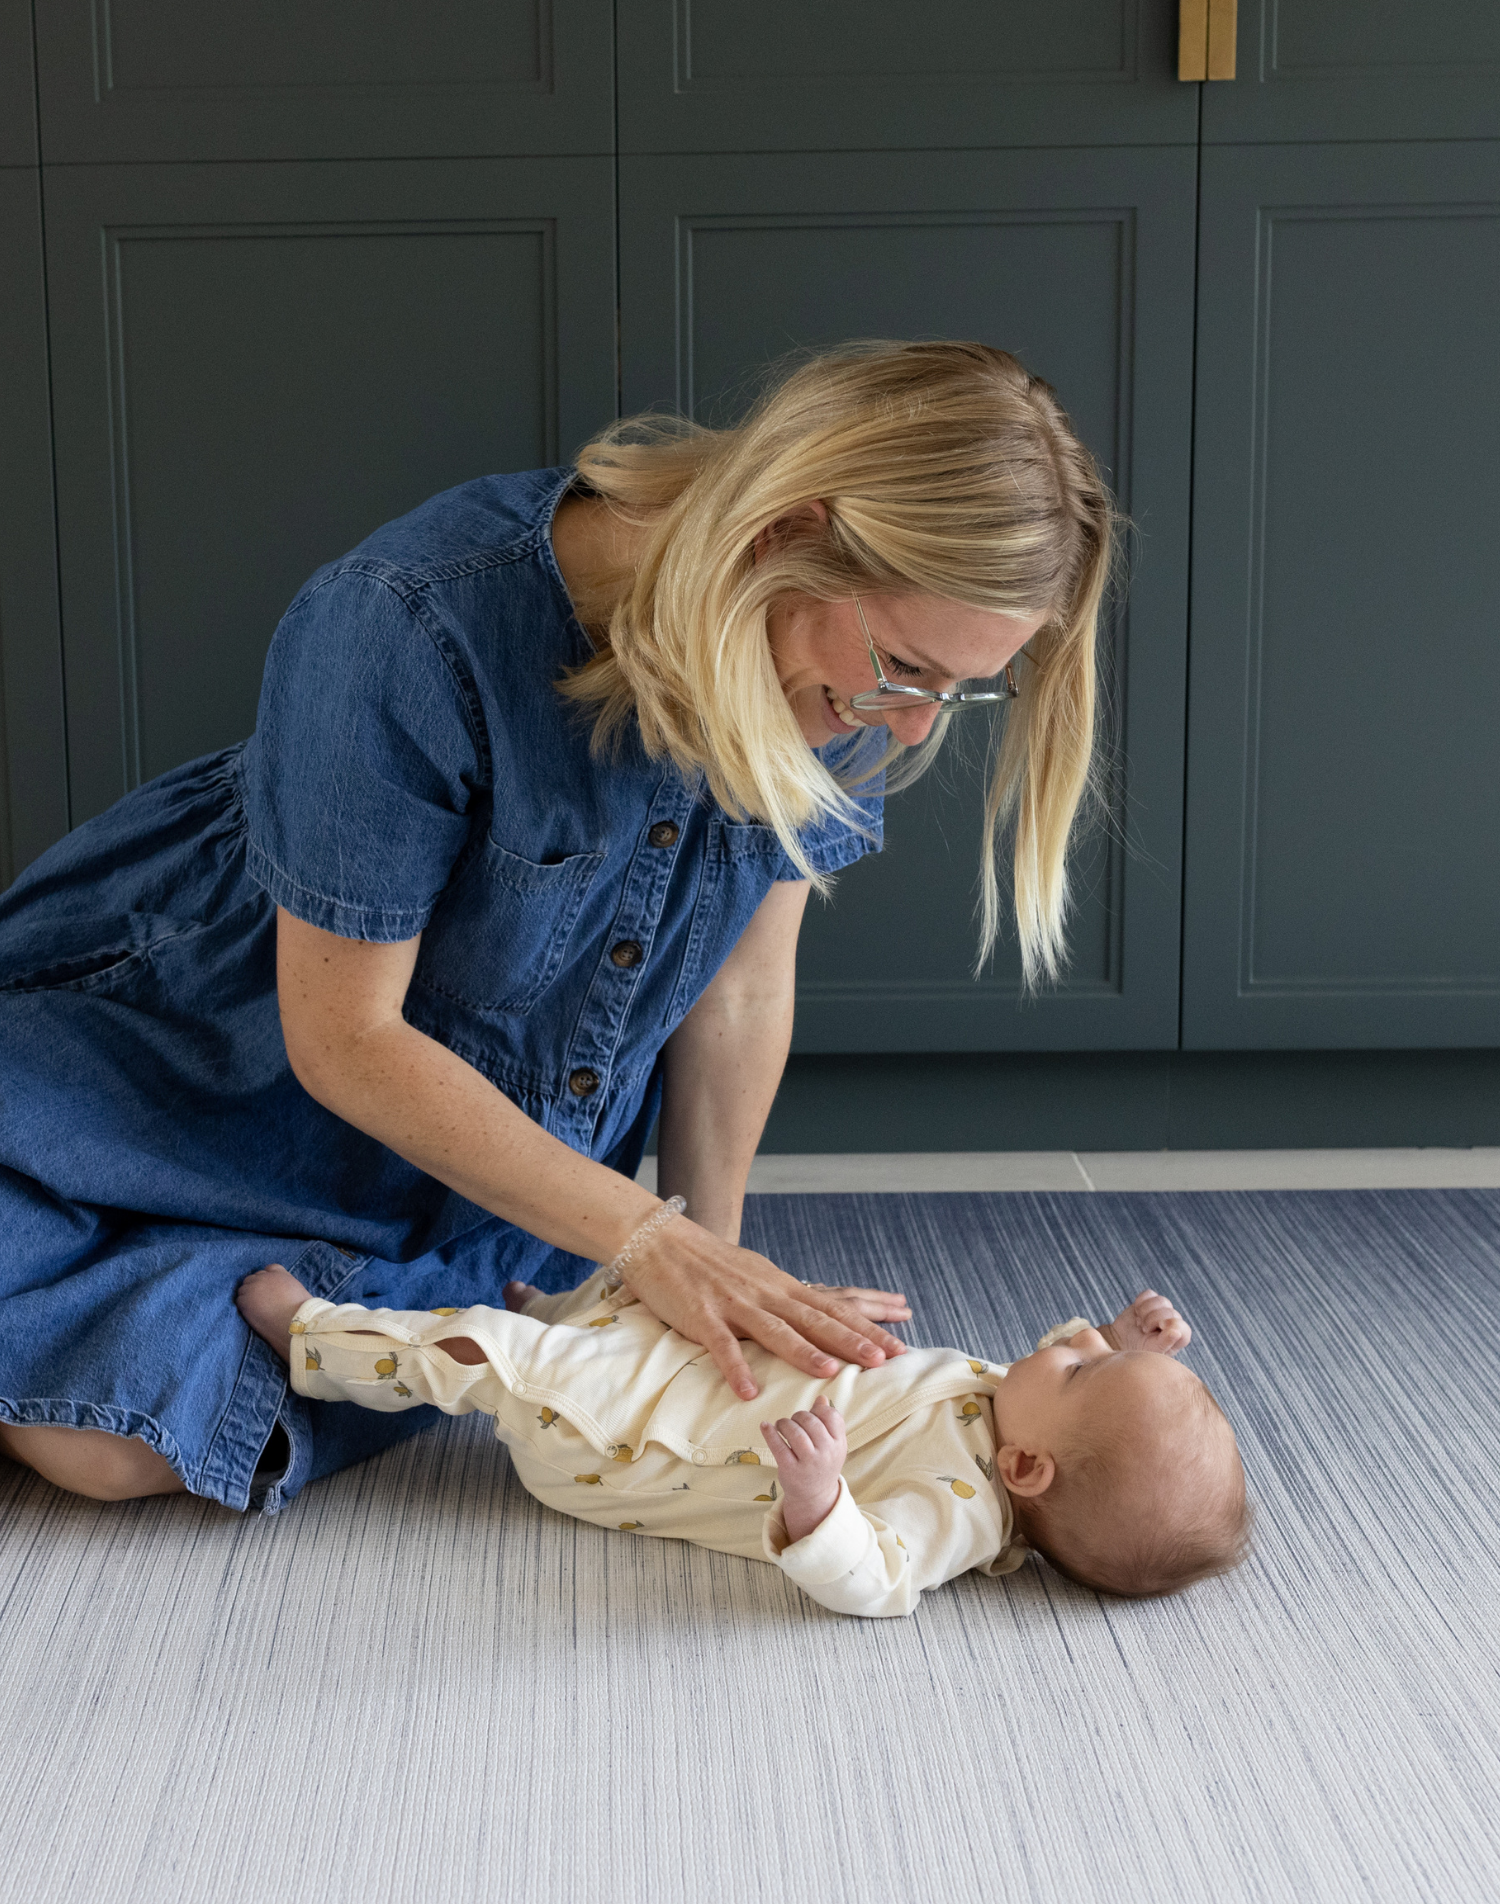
x: 872, y: 701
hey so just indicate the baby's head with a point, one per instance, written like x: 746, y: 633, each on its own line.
x: 1120, y: 1467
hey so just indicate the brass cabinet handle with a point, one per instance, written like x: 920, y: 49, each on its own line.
x: 1206, y: 31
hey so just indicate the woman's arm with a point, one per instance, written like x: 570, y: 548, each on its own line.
x: 724, y: 1062
x: 351, y: 1049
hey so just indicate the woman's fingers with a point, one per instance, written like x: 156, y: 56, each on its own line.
x: 877, y: 1305
x: 729, y: 1360
x: 835, y: 1324
x: 809, y: 1338
x: 779, y: 1336
x: 712, y: 1293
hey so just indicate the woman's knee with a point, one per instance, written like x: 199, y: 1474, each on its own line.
x: 87, y: 1461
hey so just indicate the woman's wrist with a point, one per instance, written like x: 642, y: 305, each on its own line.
x: 641, y: 1236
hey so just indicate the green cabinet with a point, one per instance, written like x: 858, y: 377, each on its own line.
x: 1343, y: 851
x: 871, y: 75
x: 274, y: 273
x: 153, y: 80
x: 255, y: 366
x: 33, y: 748
x: 1325, y: 70
x: 1082, y: 262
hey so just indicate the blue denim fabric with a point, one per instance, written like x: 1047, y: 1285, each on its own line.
x: 413, y: 769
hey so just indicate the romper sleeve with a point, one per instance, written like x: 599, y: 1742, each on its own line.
x: 938, y: 1517
x: 366, y: 756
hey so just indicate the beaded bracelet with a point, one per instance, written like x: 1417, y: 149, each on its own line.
x: 658, y: 1219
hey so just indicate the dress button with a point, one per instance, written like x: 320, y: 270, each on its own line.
x: 664, y: 833
x: 583, y: 1082
x: 700, y: 1459
x: 627, y: 953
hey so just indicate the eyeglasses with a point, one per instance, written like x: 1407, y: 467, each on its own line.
x: 888, y: 694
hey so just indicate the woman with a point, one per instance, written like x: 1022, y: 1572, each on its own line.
x: 516, y: 858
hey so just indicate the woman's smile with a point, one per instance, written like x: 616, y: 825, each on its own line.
x: 842, y: 717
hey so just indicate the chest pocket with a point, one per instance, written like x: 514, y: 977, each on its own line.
x: 741, y: 865
x: 499, y: 933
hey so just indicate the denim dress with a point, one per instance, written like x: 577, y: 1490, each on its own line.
x: 413, y: 770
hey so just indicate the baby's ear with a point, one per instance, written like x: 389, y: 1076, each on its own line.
x: 1022, y: 1472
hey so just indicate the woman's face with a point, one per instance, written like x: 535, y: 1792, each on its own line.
x: 822, y: 660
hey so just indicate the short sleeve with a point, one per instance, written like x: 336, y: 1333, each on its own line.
x: 364, y: 762
x: 838, y: 841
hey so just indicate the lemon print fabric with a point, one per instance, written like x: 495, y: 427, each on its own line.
x: 979, y: 1368
x: 549, y: 1418
x: 768, y: 1497
x: 961, y: 1488
x: 314, y: 1358
x: 631, y: 1527
x: 402, y: 1389
x: 297, y: 1328
x: 386, y: 1366
x: 743, y: 1458
x: 985, y: 1466
x: 621, y: 1451
x: 604, y: 1322
x: 442, y: 1312
x: 587, y: 1480
x: 970, y: 1412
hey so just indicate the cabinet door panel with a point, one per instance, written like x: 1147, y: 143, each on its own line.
x: 779, y: 75
x: 17, y: 85
x: 255, y: 366
x: 1082, y: 264
x: 1360, y: 69
x: 1343, y: 869
x: 33, y: 780
x: 274, y: 79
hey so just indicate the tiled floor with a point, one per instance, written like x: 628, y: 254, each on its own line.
x: 1126, y: 1170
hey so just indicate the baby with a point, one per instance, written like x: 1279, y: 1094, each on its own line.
x: 1099, y: 1450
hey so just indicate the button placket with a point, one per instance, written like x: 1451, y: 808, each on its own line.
x: 606, y: 1005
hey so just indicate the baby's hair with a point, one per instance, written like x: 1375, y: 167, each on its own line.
x: 1107, y: 1525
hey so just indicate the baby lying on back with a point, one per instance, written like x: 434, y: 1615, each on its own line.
x: 1098, y: 1450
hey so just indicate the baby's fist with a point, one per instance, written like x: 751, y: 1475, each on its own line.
x: 1150, y: 1323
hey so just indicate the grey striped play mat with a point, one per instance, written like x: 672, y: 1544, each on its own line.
x: 417, y: 1685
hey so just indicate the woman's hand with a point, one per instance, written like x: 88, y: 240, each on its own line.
x: 720, y: 1295
x: 880, y: 1305
x: 351, y: 1048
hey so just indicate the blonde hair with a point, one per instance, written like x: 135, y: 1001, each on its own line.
x: 946, y: 470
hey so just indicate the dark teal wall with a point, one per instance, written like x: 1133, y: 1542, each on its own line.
x: 273, y: 273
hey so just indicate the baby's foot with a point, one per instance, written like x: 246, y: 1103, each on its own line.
x: 517, y: 1295
x: 268, y: 1299
x: 1150, y: 1323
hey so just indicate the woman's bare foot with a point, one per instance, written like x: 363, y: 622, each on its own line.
x: 517, y: 1295
x: 1150, y: 1323
x: 268, y: 1299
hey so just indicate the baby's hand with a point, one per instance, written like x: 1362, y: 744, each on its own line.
x: 809, y: 1449
x: 1149, y: 1323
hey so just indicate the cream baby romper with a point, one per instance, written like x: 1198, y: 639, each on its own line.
x: 611, y: 1416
